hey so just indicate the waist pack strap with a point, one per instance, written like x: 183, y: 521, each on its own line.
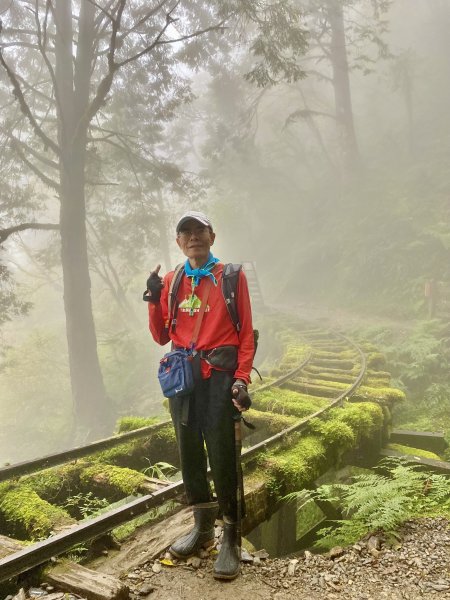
x: 201, y: 313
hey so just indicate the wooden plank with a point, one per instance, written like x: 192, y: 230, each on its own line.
x: 72, y: 577
x: 438, y: 466
x: 9, y: 546
x: 433, y: 441
x: 149, y: 544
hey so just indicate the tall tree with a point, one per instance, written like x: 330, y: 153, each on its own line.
x: 345, y: 35
x: 64, y: 59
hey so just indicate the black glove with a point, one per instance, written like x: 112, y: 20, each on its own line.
x: 240, y: 395
x: 154, y: 286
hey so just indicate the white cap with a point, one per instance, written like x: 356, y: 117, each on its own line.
x: 197, y: 216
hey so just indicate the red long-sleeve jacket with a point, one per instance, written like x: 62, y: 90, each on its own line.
x: 217, y: 328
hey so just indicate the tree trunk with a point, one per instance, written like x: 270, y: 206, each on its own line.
x: 341, y: 85
x: 91, y: 406
x: 163, y: 229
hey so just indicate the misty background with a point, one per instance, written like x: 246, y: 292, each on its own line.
x: 331, y: 173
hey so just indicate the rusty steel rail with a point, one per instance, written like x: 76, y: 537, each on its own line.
x: 40, y: 552
x: 59, y: 458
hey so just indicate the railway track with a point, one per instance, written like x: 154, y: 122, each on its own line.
x: 326, y: 370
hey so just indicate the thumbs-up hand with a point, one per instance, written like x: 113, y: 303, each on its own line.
x: 154, y: 286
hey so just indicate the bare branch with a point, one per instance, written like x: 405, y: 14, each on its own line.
x: 24, y: 107
x: 42, y: 176
x: 5, y: 233
x: 27, y: 148
x: 144, y: 19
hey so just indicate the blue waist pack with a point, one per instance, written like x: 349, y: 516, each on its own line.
x: 175, y: 373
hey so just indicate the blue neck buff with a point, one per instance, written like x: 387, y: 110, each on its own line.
x: 204, y: 271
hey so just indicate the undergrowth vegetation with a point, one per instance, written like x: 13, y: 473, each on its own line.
x: 382, y: 501
x: 419, y: 360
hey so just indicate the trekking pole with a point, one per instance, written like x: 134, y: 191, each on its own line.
x: 239, y: 479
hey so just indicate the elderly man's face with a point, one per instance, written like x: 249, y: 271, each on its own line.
x: 195, y: 240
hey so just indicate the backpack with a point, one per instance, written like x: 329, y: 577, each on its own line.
x: 230, y: 279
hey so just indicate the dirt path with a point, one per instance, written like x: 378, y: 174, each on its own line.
x: 419, y: 567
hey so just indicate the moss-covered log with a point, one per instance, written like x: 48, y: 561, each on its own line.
x: 386, y: 395
x: 342, y: 365
x: 111, y: 481
x: 27, y: 516
x: 309, y: 389
x: 283, y: 401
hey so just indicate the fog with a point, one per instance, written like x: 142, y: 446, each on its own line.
x: 339, y: 194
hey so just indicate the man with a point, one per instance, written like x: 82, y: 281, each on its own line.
x: 220, y: 385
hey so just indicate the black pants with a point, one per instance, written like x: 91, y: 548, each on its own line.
x: 210, y: 421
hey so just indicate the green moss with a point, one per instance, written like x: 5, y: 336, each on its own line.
x: 324, y: 377
x: 119, y: 453
x: 374, y: 382
x: 131, y: 423
x: 28, y: 513
x: 272, y: 422
x: 342, y: 355
x: 363, y: 418
x: 376, y: 360
x: 165, y: 434
x: 338, y: 385
x: 379, y: 394
x: 292, y: 469
x: 118, y: 479
x: 413, y: 451
x: 334, y: 432
x: 288, y: 402
x: 51, y: 483
x: 310, y: 389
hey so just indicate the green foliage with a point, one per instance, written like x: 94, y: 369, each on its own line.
x: 160, y: 470
x: 279, y: 42
x: 11, y: 304
x: 85, y: 504
x: 419, y: 358
x: 383, y: 501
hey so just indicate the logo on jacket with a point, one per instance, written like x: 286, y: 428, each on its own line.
x: 191, y: 305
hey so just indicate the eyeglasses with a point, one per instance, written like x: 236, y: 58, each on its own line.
x: 187, y: 233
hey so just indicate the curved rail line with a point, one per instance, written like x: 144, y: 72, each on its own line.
x: 40, y: 552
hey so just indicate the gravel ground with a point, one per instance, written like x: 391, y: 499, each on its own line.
x: 419, y: 567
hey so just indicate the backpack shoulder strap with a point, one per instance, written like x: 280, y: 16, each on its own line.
x: 230, y: 278
x: 172, y: 301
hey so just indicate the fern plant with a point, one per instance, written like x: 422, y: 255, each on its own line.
x: 383, y: 501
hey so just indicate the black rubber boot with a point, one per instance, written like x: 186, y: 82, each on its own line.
x: 202, y: 535
x: 228, y: 561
